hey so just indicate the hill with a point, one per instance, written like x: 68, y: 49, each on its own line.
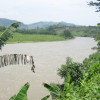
x: 41, y: 24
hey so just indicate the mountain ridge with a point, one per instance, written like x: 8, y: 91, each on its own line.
x: 41, y: 24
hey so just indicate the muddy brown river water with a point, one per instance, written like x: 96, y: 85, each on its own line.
x: 48, y: 57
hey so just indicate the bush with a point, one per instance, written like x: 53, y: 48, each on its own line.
x: 67, y: 34
x: 73, y: 68
x: 89, y: 61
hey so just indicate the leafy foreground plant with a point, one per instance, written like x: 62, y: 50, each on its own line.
x: 22, y: 95
x: 66, y: 87
x: 45, y: 98
x: 8, y: 33
x: 86, y: 87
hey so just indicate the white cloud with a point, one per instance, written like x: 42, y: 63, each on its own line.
x: 29, y: 11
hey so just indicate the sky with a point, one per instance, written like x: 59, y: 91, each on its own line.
x: 31, y: 11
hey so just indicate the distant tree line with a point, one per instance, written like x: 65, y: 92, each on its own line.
x: 62, y: 30
x: 87, y: 31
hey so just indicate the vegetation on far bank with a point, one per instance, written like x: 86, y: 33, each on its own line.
x: 17, y: 37
x: 26, y: 35
x: 52, y: 33
x: 86, y: 31
x: 57, y: 32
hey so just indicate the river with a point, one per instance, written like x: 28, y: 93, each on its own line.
x: 48, y: 57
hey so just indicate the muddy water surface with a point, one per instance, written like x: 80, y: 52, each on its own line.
x: 48, y: 57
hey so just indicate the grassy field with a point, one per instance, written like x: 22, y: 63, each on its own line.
x: 17, y: 37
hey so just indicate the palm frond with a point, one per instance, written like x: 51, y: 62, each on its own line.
x: 51, y: 89
x: 8, y: 33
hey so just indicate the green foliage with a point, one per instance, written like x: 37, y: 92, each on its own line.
x: 46, y: 97
x: 2, y: 28
x: 46, y: 32
x: 59, y: 88
x: 93, y: 70
x: 85, y: 31
x: 73, y: 68
x: 87, y: 87
x: 7, y: 33
x: 59, y: 91
x: 55, y: 27
x: 22, y: 95
x: 90, y: 85
x: 51, y: 89
x: 98, y: 24
x: 98, y: 44
x: 97, y: 38
x: 36, y: 31
x: 97, y: 4
x: 67, y: 34
x: 59, y: 30
x: 13, y: 97
x: 87, y: 62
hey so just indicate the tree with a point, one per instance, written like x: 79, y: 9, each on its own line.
x: 73, y: 68
x: 97, y: 4
x: 67, y: 34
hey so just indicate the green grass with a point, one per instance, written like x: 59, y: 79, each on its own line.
x: 17, y: 37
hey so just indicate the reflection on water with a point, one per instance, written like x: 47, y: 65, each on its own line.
x: 48, y: 57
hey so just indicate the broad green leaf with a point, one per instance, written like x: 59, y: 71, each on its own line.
x: 46, y: 97
x: 51, y: 89
x: 13, y: 97
x: 22, y: 95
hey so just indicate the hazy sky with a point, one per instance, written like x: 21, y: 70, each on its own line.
x: 30, y: 11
